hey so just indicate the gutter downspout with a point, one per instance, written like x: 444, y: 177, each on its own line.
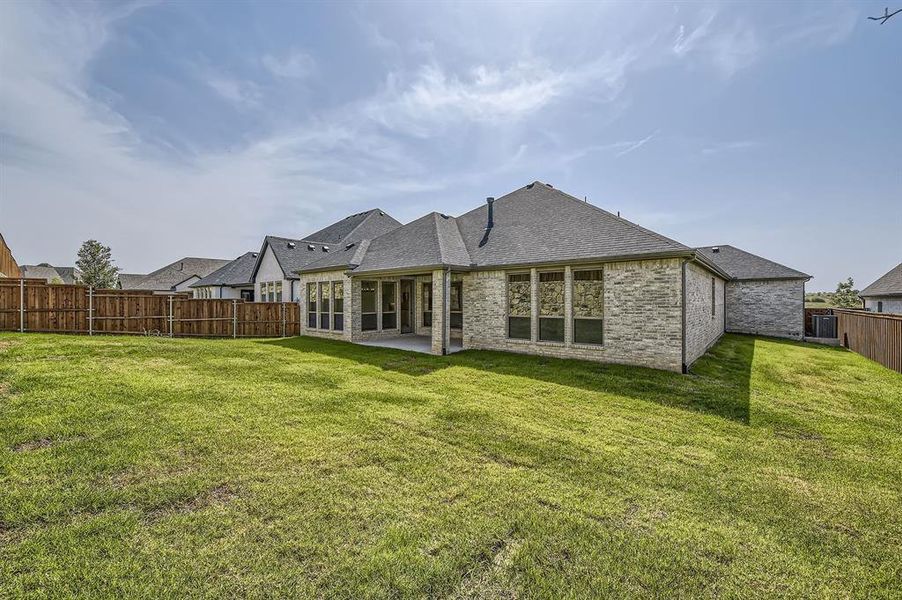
x: 685, y: 369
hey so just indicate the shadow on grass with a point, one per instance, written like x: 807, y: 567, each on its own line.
x: 718, y: 383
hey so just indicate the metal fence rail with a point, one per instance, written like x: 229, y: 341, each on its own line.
x: 36, y: 306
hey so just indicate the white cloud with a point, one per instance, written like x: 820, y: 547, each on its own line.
x: 633, y: 146
x: 294, y: 65
x: 240, y: 93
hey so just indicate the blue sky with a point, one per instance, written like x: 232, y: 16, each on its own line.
x: 174, y: 129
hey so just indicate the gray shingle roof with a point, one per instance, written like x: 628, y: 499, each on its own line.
x: 889, y: 284
x: 128, y: 280
x: 238, y: 272
x: 69, y: 275
x: 538, y: 224
x: 364, y: 225
x: 740, y: 264
x: 430, y: 241
x: 40, y: 272
x: 532, y: 225
x: 166, y: 278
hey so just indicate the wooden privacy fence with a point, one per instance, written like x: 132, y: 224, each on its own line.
x: 36, y: 306
x: 877, y: 336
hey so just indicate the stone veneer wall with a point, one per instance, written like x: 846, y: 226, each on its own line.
x: 766, y: 307
x: 702, y: 328
x: 642, y: 315
x: 329, y: 276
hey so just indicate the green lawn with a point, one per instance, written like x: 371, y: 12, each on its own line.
x: 142, y: 467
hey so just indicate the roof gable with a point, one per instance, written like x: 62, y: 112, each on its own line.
x: 364, y: 225
x: 431, y: 240
x: 890, y: 284
x: 739, y: 264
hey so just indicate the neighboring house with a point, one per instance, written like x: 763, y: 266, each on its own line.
x: 885, y: 294
x: 763, y: 297
x: 536, y: 271
x: 66, y: 275
x: 274, y: 274
x: 174, y: 277
x: 8, y: 265
x: 232, y: 280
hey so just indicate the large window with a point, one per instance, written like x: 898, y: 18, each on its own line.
x: 324, y: 294
x: 311, y: 305
x: 338, y: 306
x: 588, y: 306
x: 389, y: 305
x: 368, y: 318
x: 277, y: 286
x: 551, y: 306
x: 519, y: 307
x: 457, y: 315
x: 427, y: 304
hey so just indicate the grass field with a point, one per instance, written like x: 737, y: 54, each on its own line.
x: 141, y: 467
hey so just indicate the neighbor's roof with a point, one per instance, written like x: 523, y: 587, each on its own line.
x: 293, y: 255
x: 128, y: 280
x: 40, y: 272
x: 364, y: 225
x: 166, y: 278
x: 533, y: 225
x: 68, y: 274
x: 237, y: 272
x: 739, y: 264
x: 888, y: 285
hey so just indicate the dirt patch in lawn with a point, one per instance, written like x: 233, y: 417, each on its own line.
x: 218, y: 495
x: 44, y: 442
x: 490, y: 577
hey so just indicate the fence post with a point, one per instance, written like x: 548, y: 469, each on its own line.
x: 91, y: 310
x: 234, y: 319
x: 21, y: 305
x: 170, y: 316
x: 283, y: 319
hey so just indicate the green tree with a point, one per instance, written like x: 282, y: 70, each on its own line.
x: 846, y: 295
x: 96, y: 265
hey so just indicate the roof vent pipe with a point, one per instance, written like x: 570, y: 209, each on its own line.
x: 491, y: 204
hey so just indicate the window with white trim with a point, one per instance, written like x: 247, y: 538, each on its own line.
x: 389, y: 305
x: 311, y: 305
x: 368, y: 317
x: 338, y: 305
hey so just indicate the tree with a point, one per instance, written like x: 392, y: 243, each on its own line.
x: 846, y: 295
x: 96, y: 265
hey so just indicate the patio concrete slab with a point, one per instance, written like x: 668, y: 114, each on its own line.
x: 411, y: 343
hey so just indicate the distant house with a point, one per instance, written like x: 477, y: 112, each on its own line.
x: 66, y: 275
x: 174, y: 277
x: 763, y: 297
x: 8, y: 265
x: 885, y: 294
x: 274, y: 274
x: 232, y: 280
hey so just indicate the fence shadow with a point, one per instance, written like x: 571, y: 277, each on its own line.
x: 718, y: 384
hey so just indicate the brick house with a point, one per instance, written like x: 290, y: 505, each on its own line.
x: 885, y: 294
x: 536, y: 271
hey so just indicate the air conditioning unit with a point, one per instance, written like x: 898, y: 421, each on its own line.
x: 824, y: 326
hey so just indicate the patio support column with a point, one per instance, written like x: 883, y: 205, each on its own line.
x: 568, y: 305
x: 441, y: 318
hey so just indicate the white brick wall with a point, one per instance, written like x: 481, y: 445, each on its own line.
x: 775, y: 308
x: 703, y: 327
x: 642, y: 322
